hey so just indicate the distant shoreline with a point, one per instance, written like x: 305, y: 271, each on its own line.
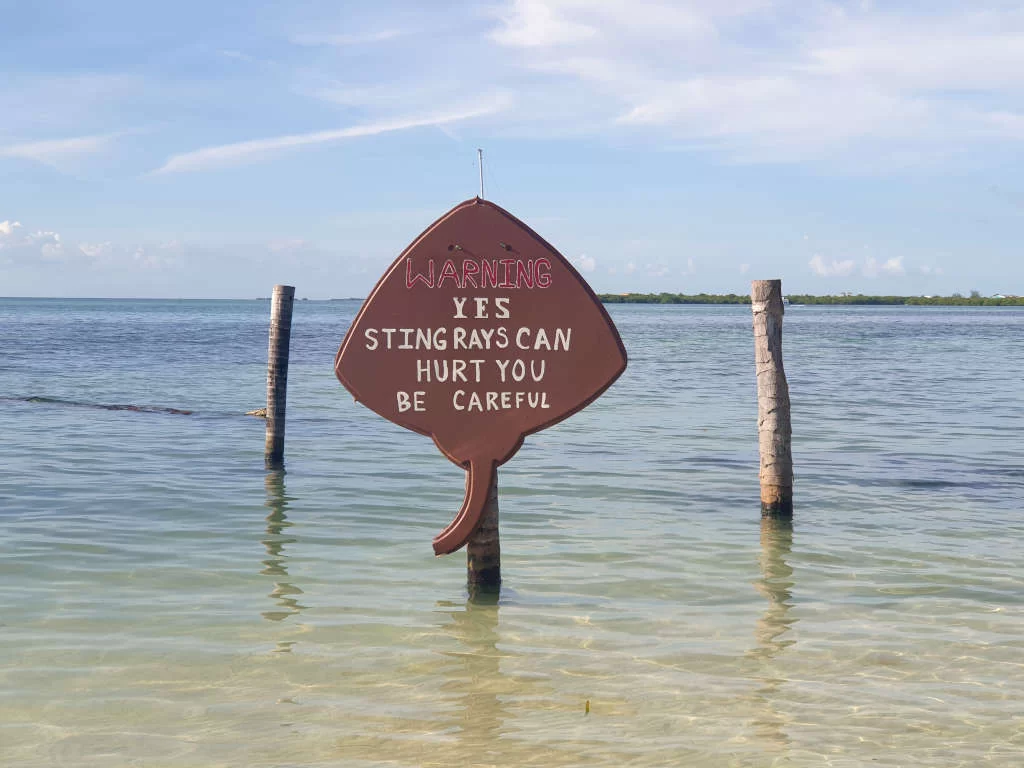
x: 797, y: 299
x: 794, y: 299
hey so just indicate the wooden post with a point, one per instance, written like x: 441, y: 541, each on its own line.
x: 773, y: 426
x: 277, y: 373
x: 483, y: 548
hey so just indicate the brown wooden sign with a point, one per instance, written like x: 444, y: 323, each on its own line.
x: 479, y: 334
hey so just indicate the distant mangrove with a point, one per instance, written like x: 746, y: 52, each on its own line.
x: 956, y: 300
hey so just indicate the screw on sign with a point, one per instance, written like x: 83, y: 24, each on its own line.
x: 479, y: 334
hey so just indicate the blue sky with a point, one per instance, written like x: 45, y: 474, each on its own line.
x: 214, y: 149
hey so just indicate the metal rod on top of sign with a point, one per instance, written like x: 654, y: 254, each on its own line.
x: 773, y: 423
x: 480, y: 162
x: 277, y: 373
x: 483, y: 548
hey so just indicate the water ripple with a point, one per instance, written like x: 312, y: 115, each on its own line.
x: 168, y: 602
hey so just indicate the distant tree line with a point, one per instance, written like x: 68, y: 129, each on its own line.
x: 673, y: 298
x: 956, y: 300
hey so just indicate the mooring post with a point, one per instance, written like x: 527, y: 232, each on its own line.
x: 483, y: 548
x: 773, y: 425
x: 277, y: 373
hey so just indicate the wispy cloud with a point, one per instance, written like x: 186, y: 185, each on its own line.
x: 610, y: 23
x: 893, y: 267
x: 535, y: 23
x: 250, y: 151
x: 232, y: 54
x: 287, y: 245
x: 586, y: 263
x: 56, y: 152
x: 871, y: 267
x: 365, y: 38
x: 748, y: 81
x: 834, y: 268
x: 845, y: 80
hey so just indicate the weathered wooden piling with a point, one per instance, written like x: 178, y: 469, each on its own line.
x: 483, y: 548
x: 277, y: 373
x: 773, y: 423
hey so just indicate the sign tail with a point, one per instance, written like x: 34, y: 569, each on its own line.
x: 478, y: 485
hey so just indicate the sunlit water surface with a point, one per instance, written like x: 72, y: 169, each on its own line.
x: 166, y: 602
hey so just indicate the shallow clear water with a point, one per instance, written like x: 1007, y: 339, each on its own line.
x: 166, y: 602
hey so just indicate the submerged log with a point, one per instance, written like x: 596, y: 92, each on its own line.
x: 101, y: 406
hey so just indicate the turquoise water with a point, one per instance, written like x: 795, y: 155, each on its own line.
x: 166, y: 602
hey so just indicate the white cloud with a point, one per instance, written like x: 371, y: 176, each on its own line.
x: 832, y: 269
x: 774, y: 107
x: 96, y: 251
x: 630, y: 268
x: 29, y: 246
x: 132, y: 256
x: 586, y: 263
x: 535, y: 23
x: 744, y: 268
x: 893, y: 267
x: 53, y: 249
x: 49, y: 247
x: 249, y: 151
x: 959, y: 49
x: 871, y: 267
x: 37, y: 238
x: 7, y: 228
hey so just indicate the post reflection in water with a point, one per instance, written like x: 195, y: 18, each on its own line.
x: 472, y: 675
x: 284, y: 593
x: 776, y: 585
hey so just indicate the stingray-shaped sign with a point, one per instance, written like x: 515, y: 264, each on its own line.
x: 479, y: 334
